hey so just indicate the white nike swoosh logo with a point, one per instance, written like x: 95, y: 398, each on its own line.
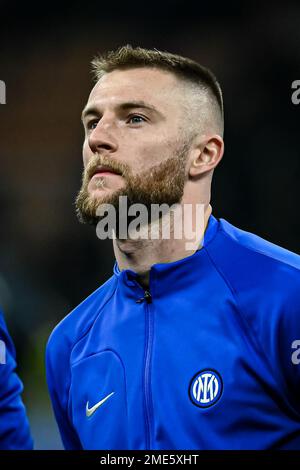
x: 90, y: 411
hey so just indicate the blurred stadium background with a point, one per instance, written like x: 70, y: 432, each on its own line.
x: 48, y: 261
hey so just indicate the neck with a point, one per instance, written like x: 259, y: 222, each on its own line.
x: 139, y: 255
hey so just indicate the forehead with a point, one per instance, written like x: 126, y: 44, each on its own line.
x: 157, y: 87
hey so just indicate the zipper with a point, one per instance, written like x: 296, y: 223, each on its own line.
x: 147, y: 297
x: 147, y: 375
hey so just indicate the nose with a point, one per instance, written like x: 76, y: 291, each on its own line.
x: 101, y: 139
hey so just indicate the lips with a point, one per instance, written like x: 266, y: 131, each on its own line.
x: 103, y: 170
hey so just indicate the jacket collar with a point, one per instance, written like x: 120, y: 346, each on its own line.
x: 170, y: 273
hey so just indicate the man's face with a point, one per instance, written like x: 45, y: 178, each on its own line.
x: 134, y: 141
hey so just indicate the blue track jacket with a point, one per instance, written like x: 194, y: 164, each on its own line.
x: 206, y: 358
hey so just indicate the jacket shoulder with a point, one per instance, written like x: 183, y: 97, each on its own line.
x: 77, y: 323
x: 258, y: 245
x: 248, y: 261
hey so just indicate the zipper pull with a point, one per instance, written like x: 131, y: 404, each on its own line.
x: 147, y: 297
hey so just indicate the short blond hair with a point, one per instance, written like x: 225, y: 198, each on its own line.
x: 189, y: 71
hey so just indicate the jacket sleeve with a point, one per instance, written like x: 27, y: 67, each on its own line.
x: 288, y: 345
x: 58, y: 379
x: 14, y: 427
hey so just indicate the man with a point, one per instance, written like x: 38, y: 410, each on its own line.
x: 14, y: 428
x: 181, y: 348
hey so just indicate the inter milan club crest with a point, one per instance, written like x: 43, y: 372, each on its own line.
x: 205, y: 388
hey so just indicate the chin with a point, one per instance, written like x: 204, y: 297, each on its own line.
x: 101, y: 195
x: 100, y: 192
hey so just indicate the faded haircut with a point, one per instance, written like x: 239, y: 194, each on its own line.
x: 202, y: 83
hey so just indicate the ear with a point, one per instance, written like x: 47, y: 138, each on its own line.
x: 206, y: 154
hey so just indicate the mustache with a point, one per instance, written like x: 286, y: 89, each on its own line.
x: 98, y: 160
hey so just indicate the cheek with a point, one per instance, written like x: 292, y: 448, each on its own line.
x: 154, y: 153
x: 85, y: 153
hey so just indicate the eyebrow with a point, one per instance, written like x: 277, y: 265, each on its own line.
x: 123, y: 107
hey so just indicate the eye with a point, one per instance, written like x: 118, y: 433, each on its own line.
x: 136, y: 118
x: 91, y: 125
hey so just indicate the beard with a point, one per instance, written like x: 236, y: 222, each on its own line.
x: 160, y: 184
